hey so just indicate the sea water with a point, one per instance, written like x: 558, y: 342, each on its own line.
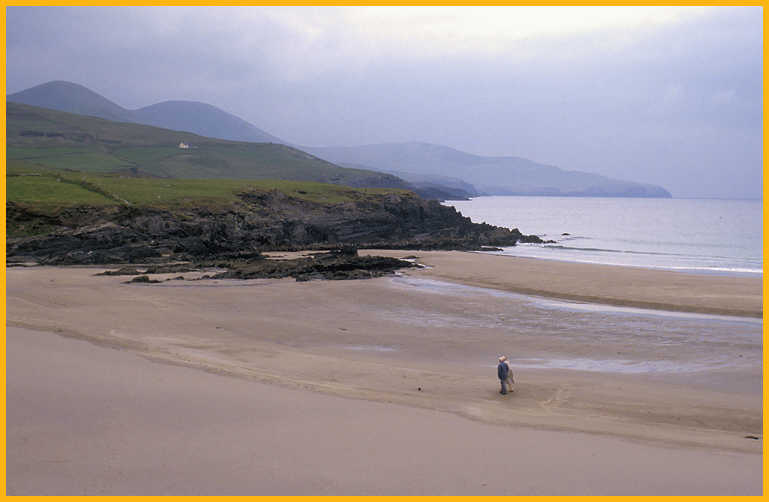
x: 696, y: 235
x: 647, y: 342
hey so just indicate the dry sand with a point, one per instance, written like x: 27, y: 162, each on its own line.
x: 86, y: 420
x: 135, y: 426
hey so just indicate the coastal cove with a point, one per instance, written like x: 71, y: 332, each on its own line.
x: 683, y: 384
x: 421, y: 250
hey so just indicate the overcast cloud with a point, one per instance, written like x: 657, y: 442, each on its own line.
x: 665, y: 96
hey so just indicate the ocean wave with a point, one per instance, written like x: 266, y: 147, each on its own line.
x: 740, y: 270
x: 710, y: 269
x: 568, y: 237
x: 643, y: 259
x: 609, y: 250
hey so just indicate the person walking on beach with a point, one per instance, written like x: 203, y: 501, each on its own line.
x: 509, y: 380
x: 503, y: 371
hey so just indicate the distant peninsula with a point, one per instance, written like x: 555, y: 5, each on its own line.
x: 484, y: 175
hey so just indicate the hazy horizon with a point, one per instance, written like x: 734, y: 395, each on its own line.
x: 669, y: 96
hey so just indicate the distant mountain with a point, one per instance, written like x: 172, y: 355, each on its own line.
x: 72, y: 98
x: 429, y: 186
x: 199, y: 118
x: 491, y: 175
x: 439, y: 187
x: 456, y: 184
x: 439, y: 167
x: 45, y: 138
x: 202, y: 119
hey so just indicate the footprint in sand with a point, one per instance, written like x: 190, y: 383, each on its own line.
x: 558, y: 397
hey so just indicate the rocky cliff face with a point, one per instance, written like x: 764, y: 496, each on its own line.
x: 259, y: 221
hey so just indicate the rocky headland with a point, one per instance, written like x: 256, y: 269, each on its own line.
x: 239, y: 232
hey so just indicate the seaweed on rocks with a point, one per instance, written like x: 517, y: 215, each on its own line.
x: 153, y: 269
x: 339, y: 263
x: 332, y: 266
x: 142, y: 279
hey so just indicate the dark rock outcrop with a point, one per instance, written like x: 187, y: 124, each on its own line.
x: 534, y: 239
x: 333, y: 265
x: 337, y: 264
x: 143, y: 279
x: 259, y: 221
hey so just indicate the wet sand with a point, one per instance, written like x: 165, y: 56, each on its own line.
x: 86, y: 420
x: 679, y: 386
x: 626, y: 286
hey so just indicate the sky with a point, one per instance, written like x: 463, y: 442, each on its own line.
x: 670, y: 96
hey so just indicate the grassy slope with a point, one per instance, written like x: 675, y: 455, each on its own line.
x: 68, y: 141
x: 48, y: 189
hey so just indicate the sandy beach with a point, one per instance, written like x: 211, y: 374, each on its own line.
x: 386, y: 386
x: 624, y: 286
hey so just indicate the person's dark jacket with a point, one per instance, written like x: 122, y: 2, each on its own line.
x: 502, y: 370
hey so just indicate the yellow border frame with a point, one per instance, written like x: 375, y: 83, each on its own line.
x: 2, y: 266
x: 3, y: 18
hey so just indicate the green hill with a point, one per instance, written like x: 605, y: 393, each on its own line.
x: 49, y: 190
x: 60, y: 140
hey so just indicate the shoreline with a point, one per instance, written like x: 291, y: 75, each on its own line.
x: 683, y: 270
x: 616, y: 285
x: 686, y: 292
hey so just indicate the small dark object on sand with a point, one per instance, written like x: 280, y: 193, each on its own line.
x: 145, y: 279
x: 752, y: 437
x: 419, y: 389
x: 345, y: 250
